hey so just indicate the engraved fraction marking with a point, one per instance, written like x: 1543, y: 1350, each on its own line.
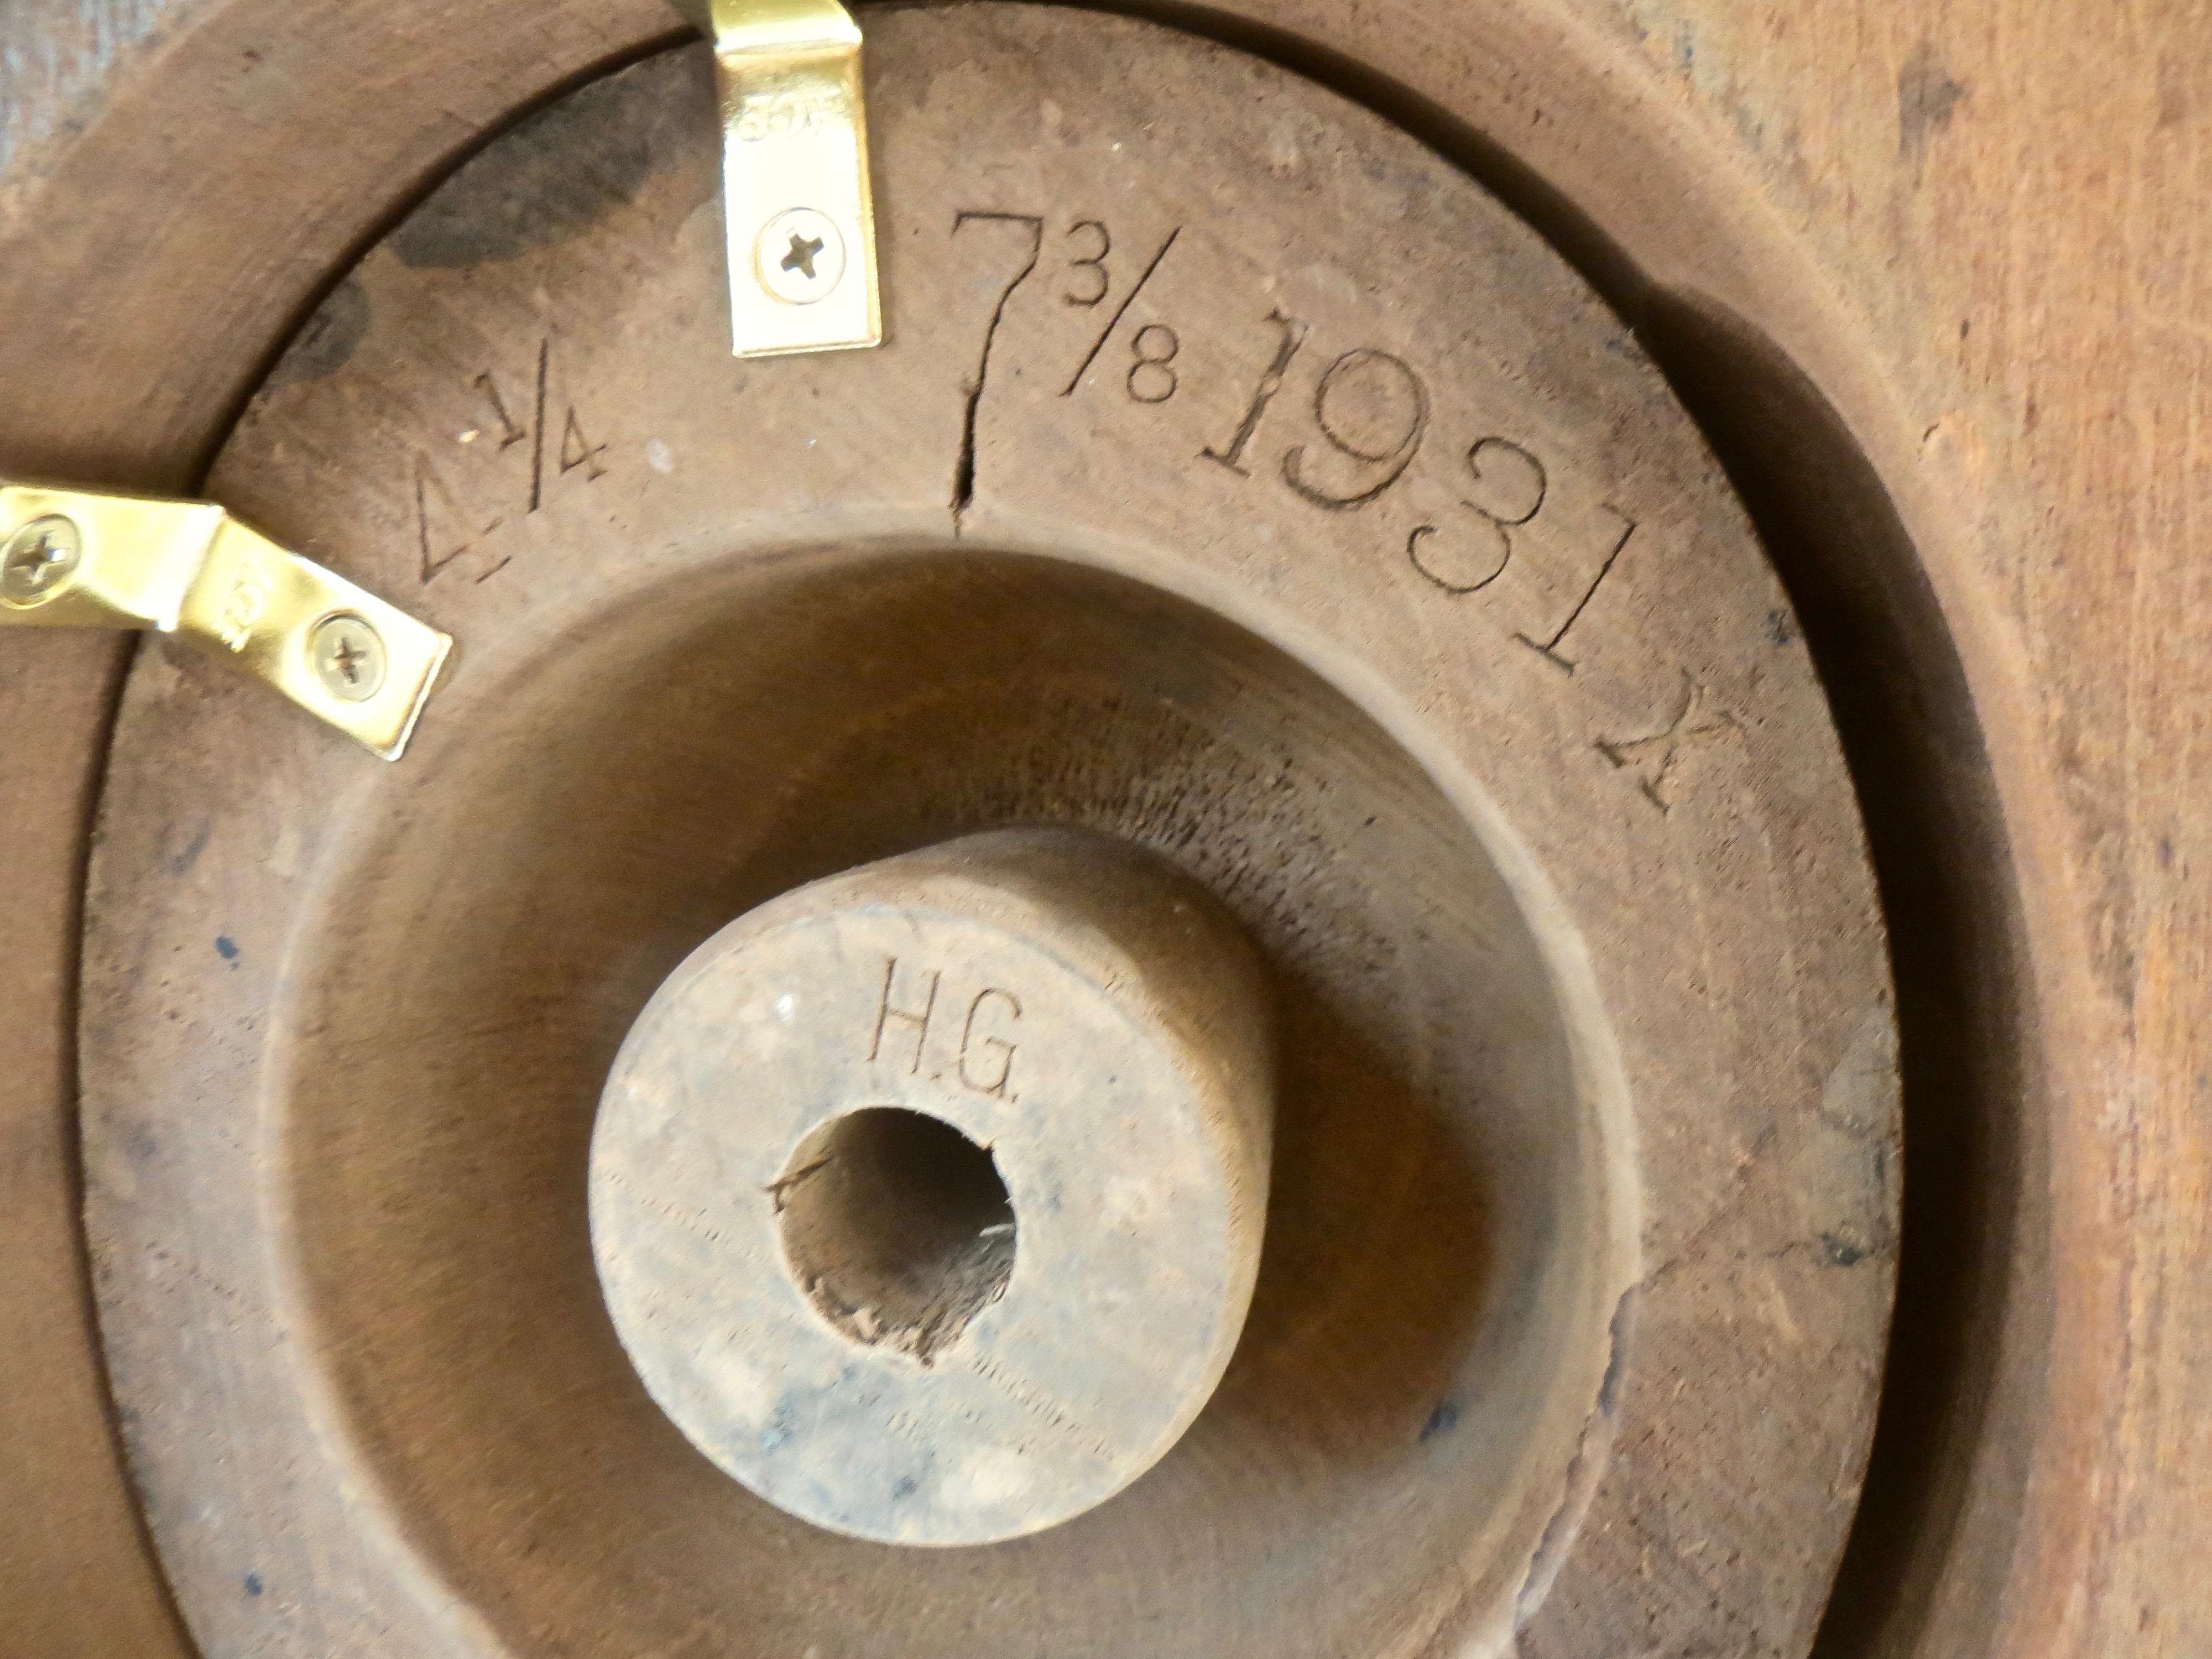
x: 984, y: 1062
x: 1114, y: 321
x: 1653, y: 757
x: 1150, y: 379
x: 440, y: 517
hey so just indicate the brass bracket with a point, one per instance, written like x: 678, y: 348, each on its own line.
x: 68, y: 559
x: 801, y: 221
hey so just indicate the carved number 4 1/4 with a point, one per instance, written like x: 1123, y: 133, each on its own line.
x: 444, y: 531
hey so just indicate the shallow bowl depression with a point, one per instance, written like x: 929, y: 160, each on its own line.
x: 1394, y: 1429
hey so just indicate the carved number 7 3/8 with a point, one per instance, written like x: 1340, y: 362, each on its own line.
x: 1152, y: 378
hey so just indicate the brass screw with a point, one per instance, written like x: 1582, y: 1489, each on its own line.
x: 799, y: 256
x: 38, y: 559
x: 348, y: 657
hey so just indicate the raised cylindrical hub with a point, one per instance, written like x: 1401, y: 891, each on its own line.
x: 928, y: 1199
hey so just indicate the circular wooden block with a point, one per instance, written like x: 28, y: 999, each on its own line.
x: 1237, y: 481
x: 928, y: 1198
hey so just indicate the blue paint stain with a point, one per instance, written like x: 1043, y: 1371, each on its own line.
x: 253, y: 1583
x: 1440, y: 1419
x: 226, y: 947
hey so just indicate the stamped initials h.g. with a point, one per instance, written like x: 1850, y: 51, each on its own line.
x: 984, y: 1062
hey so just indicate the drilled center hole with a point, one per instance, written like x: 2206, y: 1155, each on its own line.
x: 897, y: 1227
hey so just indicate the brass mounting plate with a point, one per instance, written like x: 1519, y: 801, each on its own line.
x: 71, y: 559
x: 801, y: 218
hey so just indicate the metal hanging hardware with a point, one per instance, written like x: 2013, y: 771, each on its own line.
x: 802, y: 278
x: 71, y: 559
x: 801, y: 218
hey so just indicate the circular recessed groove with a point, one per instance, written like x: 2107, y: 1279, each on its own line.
x: 897, y: 1227
x: 1433, y: 1198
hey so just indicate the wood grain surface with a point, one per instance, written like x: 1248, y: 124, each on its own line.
x: 1582, y: 1211
x: 1934, y: 276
